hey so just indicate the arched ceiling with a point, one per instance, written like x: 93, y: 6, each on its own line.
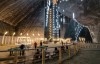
x: 15, y: 11
x: 87, y: 12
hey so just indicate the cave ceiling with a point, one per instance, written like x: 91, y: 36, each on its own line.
x: 86, y: 12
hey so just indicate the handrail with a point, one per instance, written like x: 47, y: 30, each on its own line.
x: 31, y: 48
x: 43, y: 59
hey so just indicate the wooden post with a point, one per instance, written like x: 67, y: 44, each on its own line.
x: 65, y: 47
x: 3, y: 40
x: 16, y: 58
x: 69, y: 51
x: 80, y: 45
x: 75, y: 50
x: 11, y: 40
x: 43, y: 56
x: 60, y: 55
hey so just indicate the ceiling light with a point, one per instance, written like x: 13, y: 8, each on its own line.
x: 66, y: 0
x: 63, y: 10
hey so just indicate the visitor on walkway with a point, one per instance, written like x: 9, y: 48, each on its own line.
x: 35, y: 45
x: 22, y: 51
x: 62, y: 43
x: 56, y: 51
x: 38, y: 54
x: 11, y: 51
x: 40, y: 43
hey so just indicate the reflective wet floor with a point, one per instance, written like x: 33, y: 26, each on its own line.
x: 86, y: 56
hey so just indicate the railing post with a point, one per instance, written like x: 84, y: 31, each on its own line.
x: 60, y: 55
x: 69, y: 51
x: 80, y: 45
x: 74, y: 49
x: 65, y: 47
x: 15, y: 58
x: 43, y: 56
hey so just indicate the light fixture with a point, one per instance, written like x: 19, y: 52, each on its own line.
x: 33, y: 34
x: 13, y: 33
x: 27, y: 34
x: 5, y: 32
x: 66, y: 0
x: 21, y: 34
x: 73, y: 15
x: 60, y: 1
x: 38, y: 34
x: 63, y: 10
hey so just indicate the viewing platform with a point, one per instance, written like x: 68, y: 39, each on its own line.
x: 52, y: 54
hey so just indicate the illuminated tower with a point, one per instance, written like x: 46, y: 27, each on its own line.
x: 52, y: 26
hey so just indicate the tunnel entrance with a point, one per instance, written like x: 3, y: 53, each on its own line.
x: 85, y: 33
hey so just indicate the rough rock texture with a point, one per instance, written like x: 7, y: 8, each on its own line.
x: 87, y: 12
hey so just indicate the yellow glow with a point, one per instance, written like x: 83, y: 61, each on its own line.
x: 13, y: 33
x: 33, y: 34
x: 54, y: 1
x: 5, y: 32
x: 27, y: 34
x: 23, y: 37
x: 38, y: 34
x: 21, y: 34
x: 68, y: 40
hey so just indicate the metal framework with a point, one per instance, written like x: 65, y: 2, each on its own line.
x: 52, y: 25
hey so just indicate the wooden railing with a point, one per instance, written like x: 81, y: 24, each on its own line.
x: 46, y: 55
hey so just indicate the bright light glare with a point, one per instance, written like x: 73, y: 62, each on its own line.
x: 38, y: 34
x: 5, y: 32
x: 66, y: 0
x: 60, y: 1
x: 21, y: 34
x: 27, y: 34
x: 14, y: 33
x: 33, y: 34
x: 63, y: 10
x: 73, y: 15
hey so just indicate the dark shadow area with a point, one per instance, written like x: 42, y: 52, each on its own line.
x: 86, y: 34
x: 70, y: 30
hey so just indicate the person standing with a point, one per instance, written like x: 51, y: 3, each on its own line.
x: 40, y: 43
x: 22, y: 51
x: 62, y: 43
x: 35, y: 45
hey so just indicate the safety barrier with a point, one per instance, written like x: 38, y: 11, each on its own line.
x: 46, y: 55
x: 89, y: 45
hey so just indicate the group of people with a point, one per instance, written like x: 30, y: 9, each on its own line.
x: 38, y: 53
x: 20, y: 49
x: 35, y: 44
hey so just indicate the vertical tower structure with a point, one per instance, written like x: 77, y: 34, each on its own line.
x: 52, y: 26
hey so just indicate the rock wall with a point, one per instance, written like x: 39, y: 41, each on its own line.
x: 95, y: 33
x: 6, y: 27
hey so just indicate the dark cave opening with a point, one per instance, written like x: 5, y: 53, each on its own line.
x: 85, y: 33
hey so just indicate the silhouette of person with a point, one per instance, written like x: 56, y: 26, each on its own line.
x: 35, y: 45
x: 56, y: 51
x: 40, y: 43
x: 11, y: 51
x: 22, y: 51
x: 62, y: 43
x: 38, y: 54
